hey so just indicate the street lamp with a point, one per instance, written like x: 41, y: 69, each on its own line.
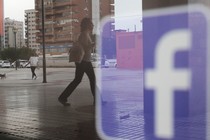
x: 15, y: 33
x: 43, y: 44
x: 27, y: 32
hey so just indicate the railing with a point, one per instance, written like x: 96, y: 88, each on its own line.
x: 67, y: 3
x: 49, y: 12
x: 61, y: 11
x: 63, y: 39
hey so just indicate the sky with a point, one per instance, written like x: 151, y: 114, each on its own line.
x: 14, y: 9
x: 131, y: 12
x: 128, y: 16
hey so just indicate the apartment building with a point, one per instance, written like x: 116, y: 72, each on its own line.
x: 30, y: 30
x: 62, y: 20
x: 12, y: 28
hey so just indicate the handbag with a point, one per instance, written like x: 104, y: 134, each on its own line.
x: 76, y: 53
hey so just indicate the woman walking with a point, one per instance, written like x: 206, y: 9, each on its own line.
x: 85, y: 66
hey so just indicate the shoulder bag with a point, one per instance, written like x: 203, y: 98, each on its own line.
x: 76, y: 53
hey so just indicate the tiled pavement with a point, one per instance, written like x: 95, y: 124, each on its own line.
x: 29, y: 108
x: 124, y: 117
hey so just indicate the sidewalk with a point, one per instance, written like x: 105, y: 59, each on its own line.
x: 29, y: 108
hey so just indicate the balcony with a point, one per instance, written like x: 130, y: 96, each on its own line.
x: 38, y: 27
x: 46, y: 34
x: 39, y: 40
x: 38, y: 34
x: 49, y: 12
x: 62, y: 25
x: 49, y: 25
x: 67, y: 31
x: 49, y: 34
x: 38, y: 20
x: 67, y: 38
x: 48, y: 6
x: 49, y: 40
x: 63, y: 17
x: 26, y: 15
x: 49, y: 18
x: 61, y: 4
x: 60, y: 11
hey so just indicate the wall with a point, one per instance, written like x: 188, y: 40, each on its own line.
x: 129, y: 50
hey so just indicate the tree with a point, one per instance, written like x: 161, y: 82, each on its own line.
x: 20, y: 53
x: 26, y: 53
x: 8, y: 54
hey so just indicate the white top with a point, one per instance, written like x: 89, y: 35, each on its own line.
x: 87, y: 44
x: 33, y: 61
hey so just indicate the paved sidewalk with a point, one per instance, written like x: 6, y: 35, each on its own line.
x: 29, y: 108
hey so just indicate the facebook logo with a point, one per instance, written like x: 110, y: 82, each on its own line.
x: 175, y: 74
x: 180, y: 79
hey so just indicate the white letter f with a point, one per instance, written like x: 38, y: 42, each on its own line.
x: 164, y: 79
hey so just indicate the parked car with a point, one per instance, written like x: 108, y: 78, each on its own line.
x: 110, y: 63
x: 1, y: 63
x: 26, y: 65
x: 96, y: 62
x: 21, y: 64
x: 13, y: 64
x: 5, y: 64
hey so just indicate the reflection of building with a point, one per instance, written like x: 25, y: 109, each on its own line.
x: 9, y: 33
x: 1, y: 23
x: 62, y: 21
x: 101, y: 10
x: 60, y: 24
x: 30, y: 30
x: 129, y: 49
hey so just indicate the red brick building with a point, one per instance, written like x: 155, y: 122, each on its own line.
x: 62, y: 20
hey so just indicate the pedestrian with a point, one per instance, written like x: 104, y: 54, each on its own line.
x: 33, y: 65
x: 85, y: 66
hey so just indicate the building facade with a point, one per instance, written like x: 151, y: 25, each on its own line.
x: 30, y: 30
x: 12, y: 28
x: 62, y: 20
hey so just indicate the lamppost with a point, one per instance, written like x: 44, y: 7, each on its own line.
x: 43, y: 45
x: 27, y: 31
x: 15, y: 33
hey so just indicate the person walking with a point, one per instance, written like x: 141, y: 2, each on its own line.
x: 33, y: 65
x: 85, y: 66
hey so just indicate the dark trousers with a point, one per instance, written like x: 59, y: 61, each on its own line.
x: 81, y: 68
x: 33, y: 71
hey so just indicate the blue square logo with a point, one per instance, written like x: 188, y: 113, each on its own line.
x: 175, y: 72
